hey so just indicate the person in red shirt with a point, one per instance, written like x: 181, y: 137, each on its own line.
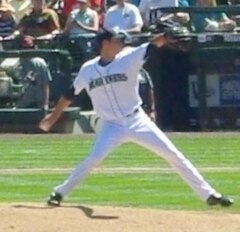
x: 69, y: 5
x: 98, y: 6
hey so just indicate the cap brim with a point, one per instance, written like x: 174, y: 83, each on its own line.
x: 110, y: 35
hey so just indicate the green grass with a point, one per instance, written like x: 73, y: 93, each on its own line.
x: 21, y: 154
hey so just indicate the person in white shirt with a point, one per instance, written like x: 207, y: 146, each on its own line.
x: 82, y: 20
x: 123, y: 16
x: 146, y: 5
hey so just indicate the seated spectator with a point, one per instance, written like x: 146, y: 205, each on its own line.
x: 174, y: 19
x: 40, y: 22
x: 69, y: 5
x: 81, y: 20
x: 66, y: 6
x: 64, y: 9
x: 20, y: 6
x: 123, y: 16
x: 35, y: 77
x: 146, y: 5
x: 7, y: 19
x: 215, y: 21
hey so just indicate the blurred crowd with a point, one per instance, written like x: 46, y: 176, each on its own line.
x: 43, y: 19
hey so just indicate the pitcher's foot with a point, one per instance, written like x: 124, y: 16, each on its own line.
x: 218, y: 199
x: 54, y: 199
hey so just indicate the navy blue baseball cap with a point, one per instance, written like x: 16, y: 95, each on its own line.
x: 120, y: 35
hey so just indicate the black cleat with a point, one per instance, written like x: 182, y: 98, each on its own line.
x: 54, y: 199
x: 218, y: 199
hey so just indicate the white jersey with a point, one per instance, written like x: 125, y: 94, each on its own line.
x: 114, y: 88
x: 123, y: 18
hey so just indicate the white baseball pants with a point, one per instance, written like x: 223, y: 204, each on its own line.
x: 140, y: 129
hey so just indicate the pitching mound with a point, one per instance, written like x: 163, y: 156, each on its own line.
x: 39, y: 218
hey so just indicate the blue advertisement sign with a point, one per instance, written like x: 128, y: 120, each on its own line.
x: 230, y: 89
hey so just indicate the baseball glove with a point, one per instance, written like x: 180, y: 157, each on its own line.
x: 175, y: 31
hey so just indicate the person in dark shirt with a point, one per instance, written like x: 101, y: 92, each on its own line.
x: 211, y: 21
x: 35, y: 77
x: 40, y: 22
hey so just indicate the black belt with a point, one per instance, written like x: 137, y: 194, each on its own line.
x: 134, y: 112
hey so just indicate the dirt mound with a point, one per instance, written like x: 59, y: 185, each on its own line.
x: 68, y: 218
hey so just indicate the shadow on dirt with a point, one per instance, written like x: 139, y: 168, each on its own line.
x: 89, y: 212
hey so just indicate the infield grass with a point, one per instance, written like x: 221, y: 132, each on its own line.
x: 130, y: 176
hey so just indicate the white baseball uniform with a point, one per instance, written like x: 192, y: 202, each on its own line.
x: 113, y: 89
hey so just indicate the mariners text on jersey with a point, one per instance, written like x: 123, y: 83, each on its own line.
x: 117, y: 77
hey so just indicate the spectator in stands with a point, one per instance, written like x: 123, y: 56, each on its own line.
x: 123, y: 16
x: 214, y: 21
x: 66, y: 7
x: 146, y: 5
x: 7, y: 19
x: 69, y: 5
x: 152, y: 13
x: 81, y: 20
x: 35, y: 77
x: 20, y: 6
x: 40, y: 22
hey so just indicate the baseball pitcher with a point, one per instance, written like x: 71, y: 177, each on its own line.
x: 112, y: 84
